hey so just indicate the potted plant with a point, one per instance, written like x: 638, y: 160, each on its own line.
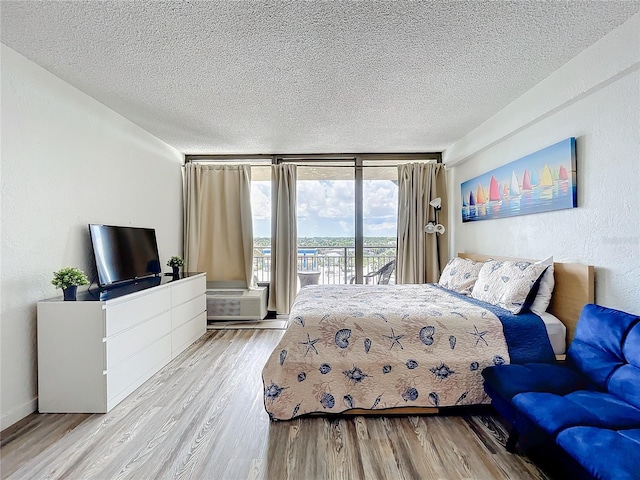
x: 68, y: 279
x: 175, y: 263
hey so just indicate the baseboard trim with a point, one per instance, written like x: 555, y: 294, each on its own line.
x: 250, y: 325
x: 18, y: 413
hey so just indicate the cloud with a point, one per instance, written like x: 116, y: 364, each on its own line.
x: 347, y: 227
x: 326, y: 198
x: 384, y: 229
x: 380, y: 198
x: 326, y: 208
x: 261, y: 200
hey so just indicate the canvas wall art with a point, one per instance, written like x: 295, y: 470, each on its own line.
x: 539, y: 182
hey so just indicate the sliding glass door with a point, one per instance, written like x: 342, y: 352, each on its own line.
x: 347, y: 221
x: 380, y: 223
x: 347, y: 213
x: 261, y: 211
x: 326, y: 204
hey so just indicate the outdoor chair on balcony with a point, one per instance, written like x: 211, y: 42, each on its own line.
x: 379, y: 277
x: 308, y: 278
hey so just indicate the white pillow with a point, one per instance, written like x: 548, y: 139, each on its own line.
x: 556, y: 331
x: 460, y: 274
x: 506, y: 284
x: 545, y: 289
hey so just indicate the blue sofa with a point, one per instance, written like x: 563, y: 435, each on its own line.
x: 588, y: 406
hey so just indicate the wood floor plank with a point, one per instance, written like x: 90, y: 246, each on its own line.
x: 431, y: 463
x: 402, y: 438
x: 343, y: 455
x: 17, y: 447
x: 208, y: 414
x: 202, y: 417
x: 117, y: 460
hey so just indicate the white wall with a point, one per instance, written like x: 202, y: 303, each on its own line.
x: 67, y: 160
x: 595, y: 98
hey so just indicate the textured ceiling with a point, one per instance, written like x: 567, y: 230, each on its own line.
x: 306, y: 77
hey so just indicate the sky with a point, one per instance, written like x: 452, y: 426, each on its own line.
x: 326, y: 208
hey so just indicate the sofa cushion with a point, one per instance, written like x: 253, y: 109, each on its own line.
x: 553, y: 413
x: 507, y: 381
x: 631, y: 347
x: 503, y: 382
x: 625, y: 384
x: 596, y: 350
x: 625, y: 381
x: 604, y: 454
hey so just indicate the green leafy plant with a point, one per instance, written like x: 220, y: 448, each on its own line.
x: 69, y: 277
x: 175, y: 262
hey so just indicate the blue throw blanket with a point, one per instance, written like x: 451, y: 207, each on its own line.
x: 526, y: 335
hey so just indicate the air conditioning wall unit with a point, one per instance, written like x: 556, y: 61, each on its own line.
x: 236, y: 303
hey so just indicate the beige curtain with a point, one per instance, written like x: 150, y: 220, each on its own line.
x: 284, y: 233
x: 218, y: 228
x: 420, y: 255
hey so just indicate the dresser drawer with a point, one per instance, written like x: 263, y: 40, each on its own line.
x: 186, y: 311
x: 187, y: 290
x: 188, y: 333
x: 124, y: 315
x: 134, y: 371
x: 125, y: 344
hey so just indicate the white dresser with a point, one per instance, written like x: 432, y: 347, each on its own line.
x: 94, y: 352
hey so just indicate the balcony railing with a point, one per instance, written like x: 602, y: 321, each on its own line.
x: 333, y: 265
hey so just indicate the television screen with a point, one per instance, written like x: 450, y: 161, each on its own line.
x: 124, y: 254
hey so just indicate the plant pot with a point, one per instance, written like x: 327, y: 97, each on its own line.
x: 70, y: 293
x: 176, y: 271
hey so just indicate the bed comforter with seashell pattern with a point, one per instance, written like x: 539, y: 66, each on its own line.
x: 387, y: 346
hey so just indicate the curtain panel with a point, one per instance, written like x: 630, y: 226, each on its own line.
x: 284, y: 238
x: 420, y: 255
x: 218, y: 225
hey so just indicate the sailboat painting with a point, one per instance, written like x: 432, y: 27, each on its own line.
x: 539, y: 182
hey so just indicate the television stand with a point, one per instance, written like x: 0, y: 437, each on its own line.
x: 92, y: 353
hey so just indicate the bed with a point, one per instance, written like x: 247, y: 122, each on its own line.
x: 362, y: 349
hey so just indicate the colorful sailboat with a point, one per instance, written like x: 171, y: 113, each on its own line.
x: 514, y: 186
x: 465, y: 208
x: 480, y: 198
x: 546, y: 184
x: 563, y: 180
x: 494, y: 192
x: 505, y: 190
x: 535, y: 179
x: 473, y: 208
x: 562, y: 174
x: 526, y: 181
x: 546, y: 180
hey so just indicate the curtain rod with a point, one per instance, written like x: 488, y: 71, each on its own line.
x: 437, y: 156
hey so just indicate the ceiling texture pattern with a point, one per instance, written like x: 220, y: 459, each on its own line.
x: 241, y: 77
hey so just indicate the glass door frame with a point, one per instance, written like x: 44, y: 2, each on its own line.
x: 355, y: 159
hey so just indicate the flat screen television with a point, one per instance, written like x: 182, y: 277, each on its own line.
x: 124, y: 254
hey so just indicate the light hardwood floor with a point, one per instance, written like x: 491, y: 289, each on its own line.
x: 202, y: 417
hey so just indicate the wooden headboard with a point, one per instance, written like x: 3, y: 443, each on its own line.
x: 574, y: 288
